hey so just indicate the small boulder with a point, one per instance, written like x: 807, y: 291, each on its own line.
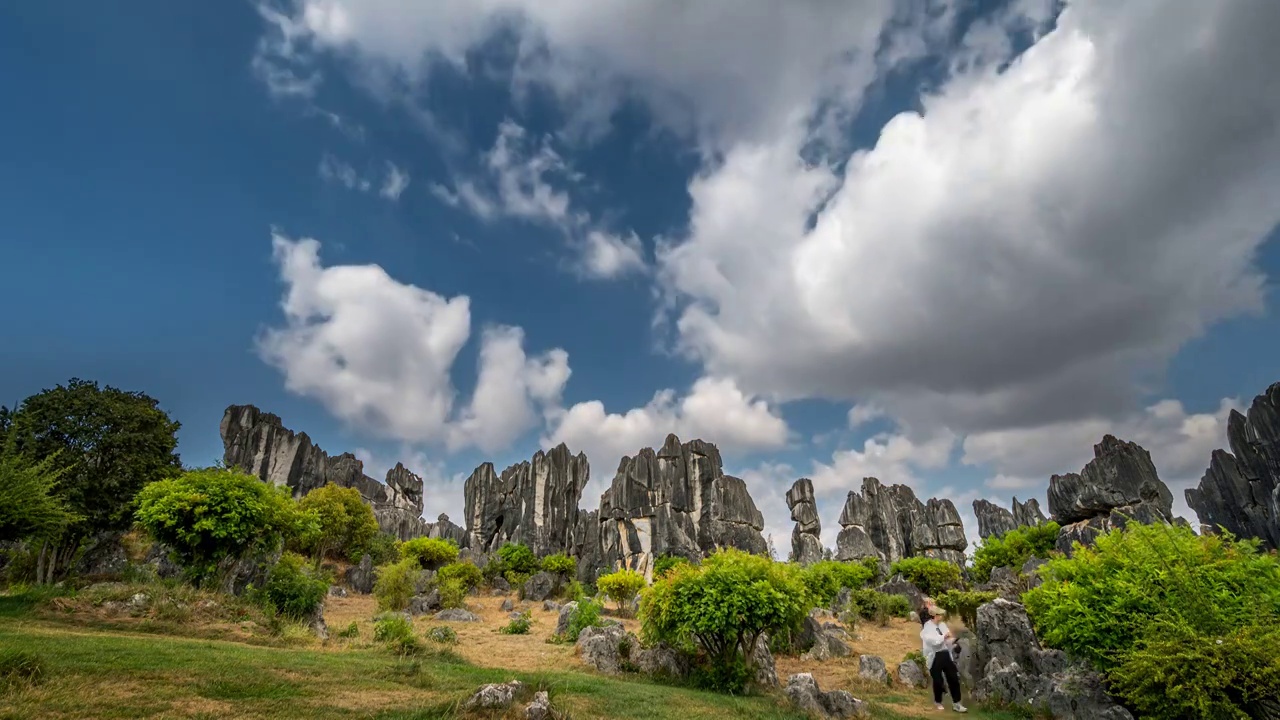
x: 541, y: 586
x: 766, y: 672
x: 361, y: 577
x: 337, y: 591
x: 514, y: 615
x: 507, y: 605
x: 499, y: 585
x: 456, y: 615
x: 550, y: 606
x: 540, y: 708
x: 423, y: 604
x: 606, y: 648
x: 661, y: 660
x: 317, y: 625
x: 912, y: 675
x: 494, y: 696
x: 803, y: 692
x: 566, y: 613
x: 871, y: 667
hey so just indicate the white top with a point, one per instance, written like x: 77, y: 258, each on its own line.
x: 933, y: 635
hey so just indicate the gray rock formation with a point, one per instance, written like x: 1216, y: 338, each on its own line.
x: 822, y: 640
x: 456, y: 615
x: 1118, y: 485
x: 424, y: 603
x: 494, y: 696
x: 889, y: 523
x: 539, y: 708
x: 872, y: 668
x: 676, y: 501
x: 444, y: 529
x: 584, y: 545
x: 606, y: 648
x: 540, y: 586
x: 803, y: 692
x: 565, y: 617
x: 1007, y: 665
x: 766, y: 671
x: 362, y: 576
x: 261, y: 445
x: 1240, y: 492
x: 994, y: 520
x: 661, y: 660
x: 806, y: 540
x: 911, y: 674
x: 533, y: 503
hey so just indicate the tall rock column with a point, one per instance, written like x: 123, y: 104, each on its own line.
x: 890, y: 523
x: 806, y: 538
x: 534, y: 503
x: 994, y: 520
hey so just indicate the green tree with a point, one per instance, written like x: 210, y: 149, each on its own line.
x: 107, y: 444
x: 346, y: 524
x: 1013, y: 549
x: 29, y: 505
x: 723, y: 606
x: 621, y: 586
x: 824, y: 579
x: 431, y: 553
x: 212, y: 516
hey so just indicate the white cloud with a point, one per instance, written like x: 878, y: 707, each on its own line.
x: 714, y: 410
x: 396, y: 182
x: 336, y: 171
x: 378, y: 354
x: 1020, y: 251
x: 441, y: 492
x: 606, y: 255
x: 863, y: 413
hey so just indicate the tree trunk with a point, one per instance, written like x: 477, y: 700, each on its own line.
x: 40, y: 561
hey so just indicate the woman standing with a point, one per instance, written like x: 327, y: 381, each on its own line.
x: 937, y: 639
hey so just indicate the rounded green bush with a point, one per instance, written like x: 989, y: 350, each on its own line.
x: 1013, y: 549
x: 560, y: 564
x: 931, y: 575
x: 396, y: 584
x: 621, y: 586
x: 430, y: 553
x: 464, y: 573
x: 825, y: 579
x: 293, y: 589
x: 518, y: 558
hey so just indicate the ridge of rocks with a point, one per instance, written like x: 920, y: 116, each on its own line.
x: 890, y: 523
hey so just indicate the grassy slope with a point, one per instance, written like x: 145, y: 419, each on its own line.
x: 102, y: 672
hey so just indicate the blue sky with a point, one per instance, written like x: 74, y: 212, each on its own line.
x: 949, y: 243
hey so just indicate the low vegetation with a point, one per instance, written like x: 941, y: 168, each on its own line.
x: 622, y: 587
x: 931, y: 575
x: 431, y: 553
x: 1013, y: 549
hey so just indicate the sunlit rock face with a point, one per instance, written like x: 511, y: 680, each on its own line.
x: 890, y: 523
x: 532, y: 503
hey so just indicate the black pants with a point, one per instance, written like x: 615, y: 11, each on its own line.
x: 944, y: 665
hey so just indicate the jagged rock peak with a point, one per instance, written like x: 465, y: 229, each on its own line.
x: 994, y: 520
x: 1240, y: 491
x: 806, y: 538
x: 259, y: 443
x: 534, y: 502
x: 890, y: 523
x: 678, y: 501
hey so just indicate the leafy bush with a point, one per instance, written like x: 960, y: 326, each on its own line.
x: 30, y: 506
x: 516, y: 579
x: 350, y: 631
x: 20, y: 667
x: 965, y: 604
x: 1149, y: 597
x: 667, y: 562
x: 573, y: 590
x: 344, y: 522
x: 932, y: 576
x: 1176, y: 671
x: 382, y: 549
x: 879, y: 607
x: 518, y: 558
x: 211, y: 515
x: 293, y: 589
x: 916, y: 657
x: 723, y: 606
x: 443, y: 634
x: 518, y: 626
x: 464, y: 573
x: 825, y: 579
x: 560, y: 564
x: 1013, y: 549
x: 586, y: 615
x: 621, y: 586
x: 396, y: 584
x: 453, y: 593
x: 391, y: 627
x: 431, y: 553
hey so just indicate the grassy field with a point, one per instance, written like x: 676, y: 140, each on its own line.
x: 96, y: 669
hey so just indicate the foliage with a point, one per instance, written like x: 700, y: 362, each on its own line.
x: 350, y: 631
x: 879, y: 607
x: 518, y: 626
x: 443, y: 634
x: 586, y: 615
x: 872, y: 565
x: 396, y: 584
x: 391, y: 627
x: 931, y: 575
x: 453, y: 594
x: 345, y: 522
x: 294, y: 590
x: 20, y: 667
x: 107, y: 444
x: 430, y: 553
x: 516, y: 579
x: 382, y: 548
x: 724, y: 605
x: 573, y: 590
x: 825, y: 579
x: 29, y: 504
x: 465, y: 573
x: 1013, y: 549
x: 207, y: 516
x: 560, y: 564
x: 916, y: 657
x: 965, y: 603
x: 621, y: 586
x: 518, y: 558
x: 1176, y: 671
x: 667, y: 562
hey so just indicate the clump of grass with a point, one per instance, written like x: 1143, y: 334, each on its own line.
x: 19, y: 667
x: 350, y: 631
x: 518, y: 626
x: 443, y: 634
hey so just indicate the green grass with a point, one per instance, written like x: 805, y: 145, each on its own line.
x: 100, y: 671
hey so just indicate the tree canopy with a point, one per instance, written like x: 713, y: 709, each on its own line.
x: 344, y: 522
x: 29, y: 505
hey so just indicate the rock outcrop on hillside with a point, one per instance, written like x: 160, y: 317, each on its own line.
x: 260, y: 444
x: 1119, y: 484
x: 994, y: 520
x: 1241, y: 489
x: 675, y: 501
x: 534, y: 503
x: 806, y: 540
x: 889, y: 523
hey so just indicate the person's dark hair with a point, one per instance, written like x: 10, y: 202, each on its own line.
x: 923, y: 612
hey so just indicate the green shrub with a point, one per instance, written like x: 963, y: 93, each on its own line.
x: 391, y: 627
x: 293, y: 589
x: 343, y: 522
x: 1175, y: 671
x: 431, y: 553
x: 453, y: 593
x: 396, y: 584
x: 932, y: 576
x: 443, y: 635
x: 586, y: 615
x: 723, y: 606
x: 518, y: 558
x: 560, y: 564
x: 965, y: 604
x: 517, y: 626
x: 621, y: 586
x: 873, y: 565
x: 667, y: 562
x: 573, y: 590
x: 825, y: 579
x: 382, y: 549
x: 1013, y: 549
x: 466, y: 575
x: 20, y: 667
x: 350, y: 631
x: 516, y: 579
x: 879, y: 607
